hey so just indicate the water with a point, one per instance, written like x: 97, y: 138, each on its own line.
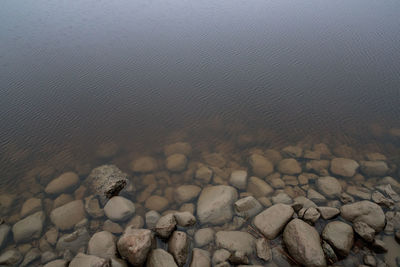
x: 231, y: 77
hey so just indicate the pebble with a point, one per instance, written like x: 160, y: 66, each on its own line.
x: 200, y: 258
x: 135, y: 245
x: 63, y: 183
x: 152, y: 218
x: 344, y: 167
x: 4, y: 233
x: 258, y: 187
x: 31, y: 206
x: 119, y: 209
x: 186, y: 193
x: 374, y: 168
x: 10, y: 258
x: 184, y: 219
x: 364, y: 211
x: 29, y: 228
x: 112, y: 227
x: 73, y: 241
x: 329, y: 186
x: 247, y: 207
x: 83, y: 260
x: 157, y: 203
x: 66, y: 216
x: 102, y: 244
x: 340, y: 236
x: 289, y: 166
x: 178, y: 148
x: 204, y: 236
x: 203, y: 174
x: 176, y: 162
x: 144, y: 165
x: 260, y: 166
x: 238, y: 179
x: 263, y: 249
x: 166, y: 225
x: 328, y: 213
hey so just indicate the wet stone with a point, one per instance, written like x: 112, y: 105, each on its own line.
x: 119, y: 209
x: 112, y: 227
x: 157, y: 203
x: 102, y: 244
x: 289, y: 166
x: 73, y: 241
x: 204, y: 236
x: 374, y: 168
x: 31, y: 206
x: 261, y: 166
x: 10, y: 258
x: 165, y: 226
x: 203, y: 174
x: 364, y: 211
x: 176, y: 162
x: 160, y: 258
x: 282, y: 198
x: 32, y: 255
x: 220, y: 255
x: 340, y: 236
x: 29, y: 228
x: 263, y: 249
x: 184, y: 219
x: 247, y: 207
x: 235, y: 241
x: 66, y: 216
x: 178, y: 246
x: 200, y: 258
x: 63, y: 183
x: 178, y: 148
x: 92, y: 207
x: 329, y: 186
x: 144, y: 165
x: 83, y: 260
x: 238, y: 179
x: 328, y: 213
x: 258, y: 187
x: 135, y: 245
x: 4, y: 234
x: 152, y: 218
x: 310, y: 215
x: 344, y: 167
x: 186, y: 193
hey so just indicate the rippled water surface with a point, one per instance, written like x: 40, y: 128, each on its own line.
x: 86, y: 83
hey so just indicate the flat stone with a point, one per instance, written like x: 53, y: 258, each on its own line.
x: 364, y: 211
x: 303, y: 243
x: 102, y: 244
x: 144, y: 165
x: 235, y: 241
x: 344, y: 167
x: 247, y: 207
x: 157, y: 203
x: 63, y: 183
x: 29, y: 228
x: 119, y: 209
x: 364, y: 230
x: 66, y: 216
x: 238, y: 179
x: 160, y: 258
x: 31, y: 206
x: 106, y: 181
x: 329, y: 186
x: 176, y: 162
x: 112, y: 227
x: 289, y: 166
x: 186, y: 193
x: 83, y: 260
x: 258, y: 187
x: 328, y: 213
x: 271, y: 221
x: 73, y: 241
x: 166, y: 225
x: 135, y: 245
x: 204, y: 236
x: 374, y: 168
x: 178, y: 246
x: 215, y: 204
x: 62, y: 200
x: 200, y: 258
x: 340, y: 236
x: 260, y: 166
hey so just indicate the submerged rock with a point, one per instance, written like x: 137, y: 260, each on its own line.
x: 160, y: 258
x: 135, y: 244
x: 73, y: 241
x: 29, y: 228
x: 166, y: 225
x: 374, y: 168
x: 4, y: 232
x: 31, y: 206
x: 344, y: 167
x: 328, y: 212
x: 235, y: 241
x: 215, y: 204
x: 204, y: 236
x: 258, y: 187
x: 107, y: 181
x: 63, y: 183
x: 178, y: 246
x: 263, y: 249
x: 260, y: 165
x: 340, y: 236
x: 119, y: 209
x: 364, y: 230
x: 303, y: 243
x: 364, y: 211
x: 247, y: 207
x: 200, y: 258
x: 239, y: 179
x: 144, y: 165
x: 176, y: 162
x: 178, y: 148
x: 83, y: 260
x: 10, y: 258
x: 66, y: 216
x: 271, y: 221
x: 289, y: 166
x: 186, y: 193
x: 102, y: 244
x: 329, y: 186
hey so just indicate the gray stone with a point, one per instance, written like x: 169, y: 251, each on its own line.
x: 200, y: 258
x: 203, y: 174
x: 32, y: 255
x: 178, y: 246
x: 282, y: 198
x: 263, y: 249
x: 359, y: 192
x: 176, y: 162
x: 10, y: 258
x: 57, y: 263
x: 329, y: 186
x: 66, y: 216
x: 31, y: 206
x: 135, y: 245
x: 261, y: 166
x: 315, y: 196
x: 48, y: 256
x: 29, y: 228
x: 235, y: 241
x: 74, y: 241
x: 160, y: 258
x: 289, y: 166
x: 310, y: 215
x: 364, y: 230
x: 204, y: 236
x: 186, y: 193
x: 152, y: 218
x: 388, y: 190
x: 328, y: 213
x: 83, y: 260
x: 344, y: 167
x: 157, y: 203
x: 271, y: 221
x: 292, y: 151
x: 303, y: 243
x: 258, y: 187
x: 305, y: 202
x: 374, y: 168
x: 220, y: 255
x: 340, y: 236
x: 364, y: 211
x: 215, y: 204
x: 144, y: 165
x: 184, y: 219
x: 166, y: 225
x: 329, y: 253
x: 119, y: 209
x: 247, y: 207
x: 63, y: 183
x: 106, y: 181
x: 102, y: 244
x: 239, y: 179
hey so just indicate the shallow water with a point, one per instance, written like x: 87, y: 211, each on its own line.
x: 88, y: 83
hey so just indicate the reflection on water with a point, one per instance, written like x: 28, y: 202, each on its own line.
x: 273, y: 88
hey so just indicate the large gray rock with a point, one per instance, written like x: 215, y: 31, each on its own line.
x: 260, y: 165
x: 160, y: 258
x: 374, y: 168
x: 344, y: 167
x: 364, y: 211
x: 83, y: 260
x: 329, y: 186
x: 29, y: 228
x: 303, y: 243
x: 66, y: 216
x: 235, y: 241
x: 289, y: 166
x: 119, y: 209
x: 106, y: 181
x: 200, y: 258
x: 340, y: 236
x: 63, y: 183
x: 102, y: 244
x: 135, y: 244
x: 271, y: 221
x: 73, y: 241
x: 215, y: 204
x: 178, y: 246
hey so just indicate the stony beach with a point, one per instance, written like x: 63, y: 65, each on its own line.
x: 304, y: 204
